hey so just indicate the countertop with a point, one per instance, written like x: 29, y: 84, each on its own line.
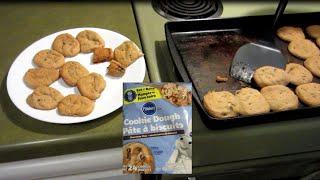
x: 22, y: 137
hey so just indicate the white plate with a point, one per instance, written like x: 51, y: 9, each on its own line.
x: 111, y: 97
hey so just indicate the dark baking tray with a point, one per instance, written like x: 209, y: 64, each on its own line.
x: 202, y: 49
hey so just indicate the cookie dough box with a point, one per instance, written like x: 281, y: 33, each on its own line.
x: 157, y: 128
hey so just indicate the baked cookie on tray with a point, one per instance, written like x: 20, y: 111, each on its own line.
x: 298, y: 74
x: 44, y: 98
x: 72, y: 71
x: 91, y: 85
x: 66, y: 44
x: 49, y: 59
x: 268, y: 75
x: 313, y: 65
x: 290, y: 33
x: 251, y: 102
x: 303, y: 48
x: 280, y: 98
x: 89, y: 40
x: 221, y: 104
x: 75, y: 105
x: 127, y: 53
x: 309, y: 94
x: 36, y: 77
x: 313, y: 31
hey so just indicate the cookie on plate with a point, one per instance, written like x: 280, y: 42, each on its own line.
x: 313, y: 65
x: 116, y: 69
x: 289, y: 33
x: 102, y: 55
x: 318, y: 42
x: 49, y: 59
x: 309, y: 94
x: 268, y: 75
x: 251, y: 102
x: 221, y: 104
x: 280, y: 98
x: 298, y: 74
x: 303, y: 48
x: 72, y: 71
x: 313, y: 31
x: 89, y: 40
x: 75, y: 105
x: 91, y: 85
x: 44, y: 98
x: 36, y: 77
x: 66, y: 44
x: 139, y: 156
x: 127, y: 53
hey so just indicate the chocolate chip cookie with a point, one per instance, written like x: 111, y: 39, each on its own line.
x: 91, y: 85
x: 138, y: 158
x: 280, y: 98
x: 290, y: 33
x: 268, y: 75
x: 221, y: 104
x: 72, y: 71
x: 75, y: 105
x: 127, y: 53
x: 49, y: 59
x: 303, y: 48
x: 36, y: 77
x: 298, y: 74
x: 313, y: 65
x: 89, y: 40
x: 309, y: 94
x: 66, y: 44
x: 251, y: 102
x: 44, y: 98
x: 102, y: 55
x: 116, y: 69
x: 313, y: 31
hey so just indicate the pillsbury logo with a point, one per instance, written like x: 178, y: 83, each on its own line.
x: 130, y: 96
x: 149, y: 108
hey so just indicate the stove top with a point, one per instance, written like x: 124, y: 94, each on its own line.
x: 214, y: 148
x: 187, y: 9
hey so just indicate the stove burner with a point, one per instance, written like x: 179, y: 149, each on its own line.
x: 187, y: 9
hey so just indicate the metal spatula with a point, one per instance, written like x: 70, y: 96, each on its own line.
x: 251, y: 56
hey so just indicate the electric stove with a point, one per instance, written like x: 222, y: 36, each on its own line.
x: 268, y: 151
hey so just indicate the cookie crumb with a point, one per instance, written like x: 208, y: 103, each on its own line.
x: 221, y: 79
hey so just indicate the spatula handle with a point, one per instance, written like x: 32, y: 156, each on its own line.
x: 280, y: 9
